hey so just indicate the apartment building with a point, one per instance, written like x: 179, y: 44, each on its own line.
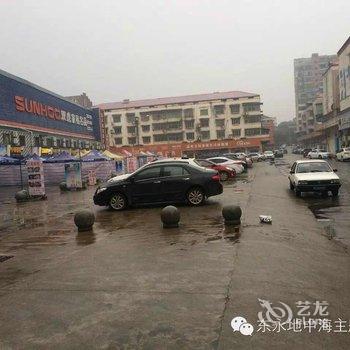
x: 344, y: 91
x: 308, y: 84
x: 176, y: 125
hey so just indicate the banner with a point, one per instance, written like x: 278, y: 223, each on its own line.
x: 131, y: 164
x: 92, y: 177
x: 72, y: 172
x: 36, y: 186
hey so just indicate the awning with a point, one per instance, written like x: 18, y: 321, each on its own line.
x: 113, y: 155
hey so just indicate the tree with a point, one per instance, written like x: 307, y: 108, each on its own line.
x: 285, y: 133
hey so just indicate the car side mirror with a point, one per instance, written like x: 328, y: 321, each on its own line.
x: 291, y: 172
x: 335, y: 170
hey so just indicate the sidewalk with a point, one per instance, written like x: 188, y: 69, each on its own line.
x: 287, y: 261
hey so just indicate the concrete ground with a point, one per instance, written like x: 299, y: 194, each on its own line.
x: 133, y: 285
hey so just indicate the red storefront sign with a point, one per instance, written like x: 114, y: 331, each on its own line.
x: 177, y: 149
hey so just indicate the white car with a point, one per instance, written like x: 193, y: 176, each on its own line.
x: 269, y: 155
x: 233, y: 164
x: 343, y: 154
x: 255, y: 157
x: 318, y: 154
x: 313, y: 176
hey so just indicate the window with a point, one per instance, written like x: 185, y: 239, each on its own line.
x: 22, y: 140
x: 190, y: 136
x: 205, y: 135
x: 131, y: 129
x: 116, y: 118
x: 6, y: 139
x: 118, y: 140
x: 205, y: 163
x: 252, y: 119
x: 249, y: 107
x: 118, y: 129
x: 189, y: 124
x: 234, y: 109
x: 188, y: 113
x: 167, y: 126
x: 220, y: 122
x: 236, y: 132
x: 131, y: 140
x: 204, y: 123
x: 146, y: 128
x: 174, y: 170
x: 37, y: 142
x: 144, y: 117
x: 68, y: 143
x: 220, y: 134
x: 149, y: 173
x: 203, y: 111
x: 236, y: 121
x: 130, y: 117
x: 146, y: 139
x: 252, y: 132
x: 219, y: 109
x: 49, y: 142
x: 59, y: 143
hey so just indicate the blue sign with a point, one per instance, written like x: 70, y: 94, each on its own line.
x: 25, y: 105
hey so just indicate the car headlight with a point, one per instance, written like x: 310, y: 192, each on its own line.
x: 302, y: 182
x: 101, y: 189
x: 335, y: 181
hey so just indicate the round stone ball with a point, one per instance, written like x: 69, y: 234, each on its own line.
x: 84, y: 220
x: 63, y: 186
x: 21, y: 195
x: 170, y: 216
x: 232, y: 214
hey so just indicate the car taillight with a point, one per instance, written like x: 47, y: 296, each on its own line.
x: 216, y: 177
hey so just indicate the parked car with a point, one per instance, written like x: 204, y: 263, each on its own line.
x: 269, y: 155
x: 306, y: 151
x: 237, y: 159
x: 255, y: 157
x: 278, y: 153
x: 343, y: 154
x: 313, y: 176
x: 318, y: 154
x: 225, y: 172
x: 165, y: 181
x: 233, y: 164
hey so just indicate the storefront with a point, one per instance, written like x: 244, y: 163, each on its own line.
x: 35, y: 120
x: 344, y: 128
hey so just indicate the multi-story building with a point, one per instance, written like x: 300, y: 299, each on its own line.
x: 35, y: 120
x: 330, y: 104
x: 344, y: 89
x: 82, y: 100
x: 308, y: 84
x: 187, y: 124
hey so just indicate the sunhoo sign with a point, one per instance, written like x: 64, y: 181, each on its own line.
x: 25, y: 105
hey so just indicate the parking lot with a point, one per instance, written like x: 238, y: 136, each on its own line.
x: 131, y: 284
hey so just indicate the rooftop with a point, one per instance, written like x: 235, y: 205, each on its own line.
x: 177, y: 99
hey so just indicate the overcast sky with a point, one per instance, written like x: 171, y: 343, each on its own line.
x: 155, y: 48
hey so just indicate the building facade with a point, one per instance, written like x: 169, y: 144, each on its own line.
x: 187, y: 124
x: 308, y: 84
x: 35, y: 120
x: 344, y: 91
x: 82, y: 100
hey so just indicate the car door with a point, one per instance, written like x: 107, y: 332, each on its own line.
x: 146, y: 186
x: 176, y: 179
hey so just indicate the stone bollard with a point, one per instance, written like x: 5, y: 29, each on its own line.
x: 22, y: 196
x: 170, y: 217
x: 63, y: 186
x: 232, y: 215
x: 84, y: 220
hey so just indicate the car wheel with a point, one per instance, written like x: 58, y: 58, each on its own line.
x: 195, y: 196
x: 291, y: 186
x: 223, y: 176
x: 297, y: 192
x: 335, y: 193
x: 117, y: 202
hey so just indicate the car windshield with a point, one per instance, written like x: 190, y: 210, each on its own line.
x: 202, y: 162
x: 313, y: 167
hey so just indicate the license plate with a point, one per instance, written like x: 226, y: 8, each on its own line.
x: 319, y: 188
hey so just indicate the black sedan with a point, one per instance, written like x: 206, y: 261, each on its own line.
x: 160, y: 182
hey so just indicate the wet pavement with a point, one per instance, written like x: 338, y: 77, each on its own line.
x: 130, y: 284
